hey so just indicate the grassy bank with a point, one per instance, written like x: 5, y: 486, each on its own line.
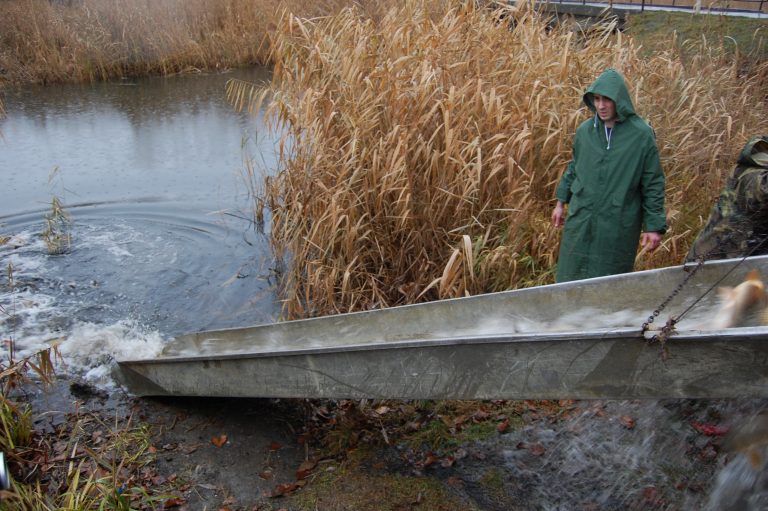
x: 85, y: 40
x: 736, y: 37
x: 429, y: 143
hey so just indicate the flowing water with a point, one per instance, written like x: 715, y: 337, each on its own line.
x: 163, y: 243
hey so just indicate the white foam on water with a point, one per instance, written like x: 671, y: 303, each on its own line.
x: 23, y: 313
x: 32, y: 320
x: 114, y: 240
x: 91, y: 351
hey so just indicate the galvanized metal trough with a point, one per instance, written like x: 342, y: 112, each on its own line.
x: 576, y: 340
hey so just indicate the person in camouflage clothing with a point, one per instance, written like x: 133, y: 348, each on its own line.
x: 738, y: 223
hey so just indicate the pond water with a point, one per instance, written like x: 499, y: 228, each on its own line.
x: 152, y: 174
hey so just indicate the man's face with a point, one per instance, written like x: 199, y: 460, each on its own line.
x: 606, y: 108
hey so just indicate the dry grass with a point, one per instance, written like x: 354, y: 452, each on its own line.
x: 43, y: 41
x: 425, y: 147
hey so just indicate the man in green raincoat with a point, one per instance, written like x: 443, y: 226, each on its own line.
x: 614, y: 187
x: 738, y: 223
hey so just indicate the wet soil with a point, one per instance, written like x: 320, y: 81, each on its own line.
x: 219, y: 453
x: 258, y: 454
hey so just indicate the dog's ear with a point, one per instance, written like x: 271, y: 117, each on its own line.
x: 753, y: 275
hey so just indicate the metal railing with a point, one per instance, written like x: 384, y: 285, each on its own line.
x: 703, y: 6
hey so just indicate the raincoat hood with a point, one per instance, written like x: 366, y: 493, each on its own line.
x: 611, y: 85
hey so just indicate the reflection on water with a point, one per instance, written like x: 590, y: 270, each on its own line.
x: 170, y: 137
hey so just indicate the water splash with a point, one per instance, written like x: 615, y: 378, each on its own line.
x: 90, y: 351
x: 135, y: 277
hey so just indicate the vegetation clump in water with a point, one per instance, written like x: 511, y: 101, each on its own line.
x: 57, y: 233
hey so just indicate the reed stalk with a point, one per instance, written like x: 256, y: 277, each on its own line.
x: 57, y: 233
x: 423, y: 147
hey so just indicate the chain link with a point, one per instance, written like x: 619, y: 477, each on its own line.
x: 668, y: 329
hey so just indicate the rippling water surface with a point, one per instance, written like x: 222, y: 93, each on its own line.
x: 151, y: 173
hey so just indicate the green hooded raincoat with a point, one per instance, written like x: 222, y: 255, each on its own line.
x: 614, y: 188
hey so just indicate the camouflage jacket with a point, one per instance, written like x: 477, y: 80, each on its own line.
x: 738, y: 224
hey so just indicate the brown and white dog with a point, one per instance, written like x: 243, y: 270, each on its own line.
x: 739, y: 302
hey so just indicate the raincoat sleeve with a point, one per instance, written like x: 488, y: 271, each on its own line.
x: 654, y: 218
x: 563, y: 193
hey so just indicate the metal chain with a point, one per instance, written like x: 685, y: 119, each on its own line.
x: 669, y: 327
x: 691, y: 272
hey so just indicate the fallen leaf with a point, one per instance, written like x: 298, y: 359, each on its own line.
x: 283, y: 489
x: 627, y: 421
x: 382, y: 410
x: 709, y: 429
x: 266, y: 475
x: 502, y: 427
x: 274, y: 446
x: 174, y: 502
x: 461, y: 419
x: 305, y: 469
x: 219, y: 441
x: 430, y: 459
x: 536, y: 449
x: 650, y: 493
x: 447, y: 462
x: 455, y: 482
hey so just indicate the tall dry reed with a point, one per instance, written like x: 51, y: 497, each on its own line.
x: 44, y: 41
x: 426, y: 146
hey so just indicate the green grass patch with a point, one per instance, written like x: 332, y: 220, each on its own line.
x: 350, y: 486
x: 730, y: 33
x: 493, y: 481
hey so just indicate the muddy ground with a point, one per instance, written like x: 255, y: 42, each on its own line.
x: 265, y: 454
